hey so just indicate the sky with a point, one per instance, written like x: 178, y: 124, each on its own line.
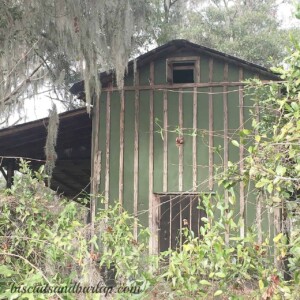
x: 285, y: 14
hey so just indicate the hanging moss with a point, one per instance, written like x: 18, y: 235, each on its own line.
x: 50, y: 152
x: 65, y: 37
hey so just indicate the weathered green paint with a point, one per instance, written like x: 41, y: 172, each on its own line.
x: 102, y: 139
x: 128, y: 150
x: 202, y: 139
x: 158, y: 142
x: 160, y: 71
x: 218, y: 116
x: 114, y: 146
x: 204, y: 68
x: 144, y: 75
x: 143, y: 186
x: 202, y: 151
x: 188, y: 141
x: 218, y: 68
x: 173, y: 121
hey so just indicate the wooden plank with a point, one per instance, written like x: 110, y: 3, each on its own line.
x: 152, y: 209
x: 136, y: 157
x: 107, y: 149
x: 180, y: 147
x: 154, y: 246
x: 165, y: 154
x: 180, y: 86
x: 259, y: 197
x: 226, y: 153
x: 121, y: 169
x: 197, y: 70
x: 211, y: 128
x: 182, y: 58
x: 195, y: 108
x: 225, y: 108
x: 151, y: 73
x: 241, y: 155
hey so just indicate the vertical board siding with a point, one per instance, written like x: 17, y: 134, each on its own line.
x: 187, y: 103
x: 259, y: 213
x: 180, y: 147
x: 218, y: 131
x: 172, y: 152
x: 152, y: 210
x: 195, y: 102
x: 225, y: 145
x: 107, y: 148
x: 136, y: 157
x: 129, y: 151
x: 233, y: 126
x: 102, y: 143
x: 144, y: 75
x: 241, y: 154
x: 198, y: 70
x: 144, y: 156
x: 158, y: 142
x: 204, y: 68
x: 160, y: 71
x: 218, y: 116
x: 96, y: 167
x: 218, y: 70
x: 121, y: 169
x: 165, y: 137
x: 202, y: 139
x: 114, y: 151
x: 211, y: 128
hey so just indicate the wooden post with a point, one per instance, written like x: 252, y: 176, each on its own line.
x: 107, y: 149
x: 211, y: 128
x: 165, y: 153
x: 180, y: 147
x: 10, y: 174
x: 241, y: 157
x: 226, y: 154
x: 136, y: 155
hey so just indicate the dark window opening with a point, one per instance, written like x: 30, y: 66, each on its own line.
x: 183, y: 76
x: 181, y: 72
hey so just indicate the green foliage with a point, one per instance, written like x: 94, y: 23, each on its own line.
x: 120, y: 249
x: 274, y: 163
x: 42, y: 238
x: 208, y: 265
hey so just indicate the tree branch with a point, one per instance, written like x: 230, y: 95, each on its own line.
x: 25, y: 81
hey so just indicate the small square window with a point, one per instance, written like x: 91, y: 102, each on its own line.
x: 180, y: 70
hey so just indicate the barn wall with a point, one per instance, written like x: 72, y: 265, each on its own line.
x: 138, y: 128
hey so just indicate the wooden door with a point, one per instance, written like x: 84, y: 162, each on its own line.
x: 178, y: 211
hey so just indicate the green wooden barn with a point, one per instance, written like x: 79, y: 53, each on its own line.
x: 154, y: 142
x: 157, y: 145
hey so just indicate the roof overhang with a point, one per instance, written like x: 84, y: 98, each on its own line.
x: 73, y: 166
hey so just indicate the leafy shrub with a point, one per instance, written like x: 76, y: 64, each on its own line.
x: 42, y: 238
